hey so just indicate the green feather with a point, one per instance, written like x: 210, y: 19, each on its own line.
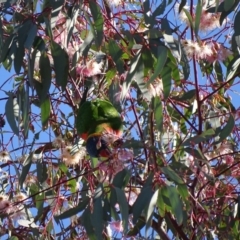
x: 93, y: 116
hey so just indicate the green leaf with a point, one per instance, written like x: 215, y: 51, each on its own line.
x: 200, y: 138
x: 162, y: 57
x: 146, y: 9
x: 189, y: 17
x: 25, y: 170
x: 13, y: 238
x: 183, y: 191
x: 134, y: 68
x: 86, y: 222
x: 61, y: 64
x: 23, y: 100
x: 148, y: 60
x: 176, y: 203
x: 18, y: 55
x: 31, y: 36
x: 39, y: 200
x: 10, y: 110
x: 98, y: 21
x: 97, y: 214
x: 142, y: 201
x: 158, y: 113
x: 171, y: 42
x: 74, y: 211
x: 230, y: 10
x: 236, y: 24
x: 6, y: 47
x: 72, y: 185
x: 84, y: 48
x: 121, y: 179
x: 42, y: 172
x: 116, y: 53
x: 123, y: 204
x: 42, y: 87
x: 166, y: 80
x: 227, y: 129
x: 139, y: 79
x: 232, y: 69
x: 218, y: 71
x: 136, y: 227
x: 198, y: 17
x: 160, y: 9
x: 161, y: 204
x: 150, y: 211
x: 172, y: 175
x: 71, y: 26
x: 228, y: 4
x: 184, y: 62
x: 45, y: 112
x: 182, y: 4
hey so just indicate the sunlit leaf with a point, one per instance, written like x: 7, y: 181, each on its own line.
x: 45, y: 111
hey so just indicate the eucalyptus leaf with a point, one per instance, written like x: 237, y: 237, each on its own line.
x: 61, y: 64
x: 9, y: 110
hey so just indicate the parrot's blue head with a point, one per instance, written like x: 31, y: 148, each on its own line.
x: 97, y: 147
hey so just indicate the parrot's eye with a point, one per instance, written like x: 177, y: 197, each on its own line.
x: 117, y: 143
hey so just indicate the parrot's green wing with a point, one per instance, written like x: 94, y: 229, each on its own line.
x: 93, y: 115
x: 84, y: 119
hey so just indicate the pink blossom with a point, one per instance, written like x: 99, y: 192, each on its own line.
x: 208, y: 21
x: 205, y: 51
x: 220, y: 53
x: 92, y: 68
x: 117, y: 226
x: 124, y: 154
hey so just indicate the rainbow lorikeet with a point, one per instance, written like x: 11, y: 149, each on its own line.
x: 100, y: 125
